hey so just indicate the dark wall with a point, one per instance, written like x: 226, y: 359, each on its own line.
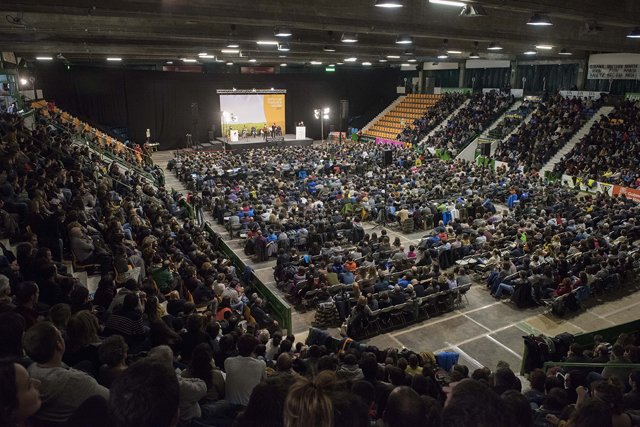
x: 161, y: 101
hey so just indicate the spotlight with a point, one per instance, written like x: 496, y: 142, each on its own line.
x: 23, y: 81
x: 539, y: 19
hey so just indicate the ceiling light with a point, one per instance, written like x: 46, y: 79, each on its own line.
x: 332, y: 65
x: 382, y: 59
x: 412, y: 59
x: 282, y: 32
x: 366, y: 63
x: 405, y: 65
x: 169, y: 62
x: 475, y: 54
x: 565, y: 52
x: 340, y: 63
x: 352, y: 59
x: 494, y: 46
x: 329, y: 48
x: 23, y: 81
x: 230, y: 51
x: 282, y: 56
x: 315, y: 62
x: 472, y: 11
x: 44, y: 58
x: 349, y: 37
x: 389, y: 3
x: 202, y: 54
x: 114, y: 59
x: 229, y: 62
x: 635, y: 33
x: 208, y: 57
x: 234, y: 89
x: 404, y: 40
x: 190, y: 60
x: 393, y: 56
x: 271, y: 88
x: 448, y: 2
x: 454, y: 51
x: 233, y: 43
x: 539, y: 19
x: 544, y: 46
x: 442, y: 54
x: 252, y: 59
x: 283, y: 64
x: 531, y: 51
x: 284, y: 47
x: 266, y: 42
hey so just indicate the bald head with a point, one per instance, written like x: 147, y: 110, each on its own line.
x: 405, y: 408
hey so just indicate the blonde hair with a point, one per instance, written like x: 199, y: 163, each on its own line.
x: 309, y: 403
x: 82, y: 330
x: 355, y: 290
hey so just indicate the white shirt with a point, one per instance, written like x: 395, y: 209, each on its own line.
x: 243, y: 374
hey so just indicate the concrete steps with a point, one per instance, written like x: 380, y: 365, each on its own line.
x: 485, y: 133
x: 445, y: 121
x: 575, y: 139
x: 383, y: 113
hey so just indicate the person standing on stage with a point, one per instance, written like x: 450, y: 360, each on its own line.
x: 273, y: 130
x: 245, y: 132
x: 265, y: 131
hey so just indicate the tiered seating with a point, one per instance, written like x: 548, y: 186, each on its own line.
x: 411, y: 108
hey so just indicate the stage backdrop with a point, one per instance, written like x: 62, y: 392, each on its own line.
x: 161, y: 100
x: 255, y: 110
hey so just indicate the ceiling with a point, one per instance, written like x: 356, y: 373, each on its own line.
x: 147, y: 31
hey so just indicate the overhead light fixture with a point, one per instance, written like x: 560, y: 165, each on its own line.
x: 475, y: 54
x: 233, y: 43
x: 272, y: 89
x: 349, y: 38
x: 234, y: 89
x: 448, y: 2
x: 254, y: 89
x: 230, y: 51
x: 329, y: 48
x: 340, y: 63
x: 393, y: 56
x: 454, y: 51
x: 635, y: 33
x: 539, y: 19
x: 405, y: 65
x: 23, y: 81
x: 404, y: 40
x: 114, y: 59
x: 208, y: 57
x: 382, y: 59
x: 44, y: 58
x: 315, y: 62
x: 494, y: 46
x: 326, y: 111
x: 283, y: 64
x: 229, y: 62
x: 352, y: 59
x: 169, y: 62
x: 389, y: 3
x: 202, y: 53
x: 412, y: 59
x: 282, y: 32
x: 544, y: 46
x: 332, y: 65
x: 531, y: 51
x: 284, y: 47
x: 472, y: 11
x: 565, y: 51
x: 366, y: 63
x: 189, y: 60
x: 267, y: 42
x: 442, y: 54
x: 252, y: 59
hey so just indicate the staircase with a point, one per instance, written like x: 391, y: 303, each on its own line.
x: 382, y: 113
x: 524, y: 121
x: 445, y: 121
x: 400, y: 113
x: 485, y: 133
x: 575, y: 139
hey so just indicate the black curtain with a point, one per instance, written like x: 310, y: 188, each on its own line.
x: 619, y: 87
x: 447, y: 78
x: 161, y: 101
x: 486, y: 77
x: 558, y: 76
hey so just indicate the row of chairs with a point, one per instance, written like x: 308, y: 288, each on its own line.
x: 423, y: 96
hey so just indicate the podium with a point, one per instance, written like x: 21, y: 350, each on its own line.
x: 233, y: 136
x: 301, y: 132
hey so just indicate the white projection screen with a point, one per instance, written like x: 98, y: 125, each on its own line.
x: 254, y: 110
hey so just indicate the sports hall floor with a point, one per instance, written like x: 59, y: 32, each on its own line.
x: 484, y: 331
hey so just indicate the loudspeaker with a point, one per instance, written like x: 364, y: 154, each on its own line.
x: 344, y: 108
x: 387, y: 157
x: 194, y: 113
x: 485, y: 149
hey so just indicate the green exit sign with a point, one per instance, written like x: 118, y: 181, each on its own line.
x: 331, y: 70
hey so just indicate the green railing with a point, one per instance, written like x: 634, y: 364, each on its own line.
x: 276, y: 304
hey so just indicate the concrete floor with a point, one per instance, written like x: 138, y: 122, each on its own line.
x: 484, y: 331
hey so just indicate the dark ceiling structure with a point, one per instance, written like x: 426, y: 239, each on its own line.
x: 147, y: 31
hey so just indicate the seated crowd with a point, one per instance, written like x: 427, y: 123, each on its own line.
x: 470, y: 121
x: 610, y: 152
x: 554, y: 121
x: 417, y: 130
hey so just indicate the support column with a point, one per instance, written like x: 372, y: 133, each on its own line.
x: 461, y: 80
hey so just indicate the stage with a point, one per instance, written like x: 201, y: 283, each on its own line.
x: 288, y: 140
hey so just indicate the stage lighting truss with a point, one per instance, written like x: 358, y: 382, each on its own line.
x: 251, y: 91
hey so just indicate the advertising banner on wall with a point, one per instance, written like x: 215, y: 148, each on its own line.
x: 617, y: 66
x: 632, y: 96
x: 592, y: 186
x: 517, y: 93
x: 580, y: 94
x: 443, y: 90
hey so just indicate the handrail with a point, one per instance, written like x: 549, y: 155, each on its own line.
x: 590, y: 365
